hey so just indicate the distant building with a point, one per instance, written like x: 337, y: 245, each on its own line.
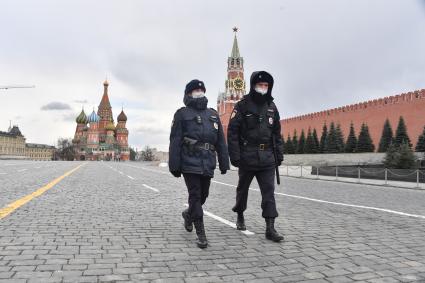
x: 13, y: 146
x: 97, y: 137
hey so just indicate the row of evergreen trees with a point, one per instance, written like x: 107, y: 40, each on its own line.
x: 332, y: 140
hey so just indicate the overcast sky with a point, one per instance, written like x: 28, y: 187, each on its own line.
x: 322, y: 54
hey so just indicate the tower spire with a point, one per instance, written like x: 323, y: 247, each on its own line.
x: 235, y: 48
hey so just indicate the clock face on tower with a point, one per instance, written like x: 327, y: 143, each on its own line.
x: 238, y: 83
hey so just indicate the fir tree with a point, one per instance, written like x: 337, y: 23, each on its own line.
x: 323, y: 139
x: 289, y: 145
x: 301, y: 143
x: 407, y: 158
x: 295, y: 141
x: 401, y: 134
x: 284, y: 144
x: 351, y: 144
x: 316, y: 147
x: 309, y: 143
x: 386, y: 137
x: 365, y: 143
x: 332, y: 142
x: 420, y: 145
x: 339, y: 138
x: 391, y: 156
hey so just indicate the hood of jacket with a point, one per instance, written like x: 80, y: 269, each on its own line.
x: 261, y: 76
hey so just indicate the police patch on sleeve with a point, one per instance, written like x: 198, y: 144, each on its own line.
x: 233, y: 113
x: 270, y: 120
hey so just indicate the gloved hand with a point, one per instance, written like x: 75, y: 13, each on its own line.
x: 176, y: 174
x: 235, y: 163
x: 279, y: 162
x: 223, y: 172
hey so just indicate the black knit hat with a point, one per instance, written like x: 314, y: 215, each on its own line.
x: 194, y: 84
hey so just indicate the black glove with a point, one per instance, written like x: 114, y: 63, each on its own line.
x: 235, y: 163
x: 176, y: 174
x: 279, y: 162
x: 223, y: 172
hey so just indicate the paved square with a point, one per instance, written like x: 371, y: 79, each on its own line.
x: 113, y: 222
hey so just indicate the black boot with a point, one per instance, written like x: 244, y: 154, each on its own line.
x: 240, y: 223
x: 200, y: 232
x: 271, y: 233
x: 188, y: 225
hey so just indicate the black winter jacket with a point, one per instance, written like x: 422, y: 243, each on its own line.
x: 200, y: 123
x: 254, y: 122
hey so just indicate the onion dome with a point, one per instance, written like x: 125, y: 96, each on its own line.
x: 122, y: 117
x: 82, y: 118
x: 110, y: 126
x: 93, y: 117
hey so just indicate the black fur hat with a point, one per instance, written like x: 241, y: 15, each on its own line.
x: 194, y: 84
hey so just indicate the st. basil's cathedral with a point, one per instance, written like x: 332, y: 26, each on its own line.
x: 97, y: 137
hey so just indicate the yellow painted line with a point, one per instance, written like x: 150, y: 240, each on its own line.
x: 5, y: 211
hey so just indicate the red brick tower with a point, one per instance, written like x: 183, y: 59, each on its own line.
x: 105, y: 112
x: 122, y: 136
x: 234, y: 85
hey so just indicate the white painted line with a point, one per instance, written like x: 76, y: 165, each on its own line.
x: 147, y: 169
x: 355, y: 206
x: 150, y: 188
x: 130, y: 177
x: 3, y: 173
x: 227, y: 222
x: 339, y: 203
x: 224, y: 184
x: 22, y: 170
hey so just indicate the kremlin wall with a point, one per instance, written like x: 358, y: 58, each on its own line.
x: 410, y: 105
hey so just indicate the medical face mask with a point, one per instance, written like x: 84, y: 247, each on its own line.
x: 261, y: 90
x: 198, y: 94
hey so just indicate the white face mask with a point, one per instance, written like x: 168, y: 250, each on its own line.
x: 198, y: 94
x: 261, y: 90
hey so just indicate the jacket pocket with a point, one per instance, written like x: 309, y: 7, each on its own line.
x: 250, y: 120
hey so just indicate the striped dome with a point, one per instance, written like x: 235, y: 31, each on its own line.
x: 93, y: 118
x: 82, y: 118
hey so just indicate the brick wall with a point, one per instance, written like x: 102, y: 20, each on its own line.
x: 374, y: 112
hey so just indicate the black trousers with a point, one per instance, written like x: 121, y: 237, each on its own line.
x: 265, y: 179
x: 198, y: 187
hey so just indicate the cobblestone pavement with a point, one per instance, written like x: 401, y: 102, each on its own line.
x: 117, y: 222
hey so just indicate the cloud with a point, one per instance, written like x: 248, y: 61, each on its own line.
x: 322, y: 54
x: 81, y: 101
x: 55, y: 106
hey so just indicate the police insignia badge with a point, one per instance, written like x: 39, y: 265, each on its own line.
x: 215, y: 125
x: 271, y: 121
x: 233, y: 113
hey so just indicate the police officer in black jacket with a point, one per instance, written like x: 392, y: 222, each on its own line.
x: 254, y: 124
x: 196, y: 139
